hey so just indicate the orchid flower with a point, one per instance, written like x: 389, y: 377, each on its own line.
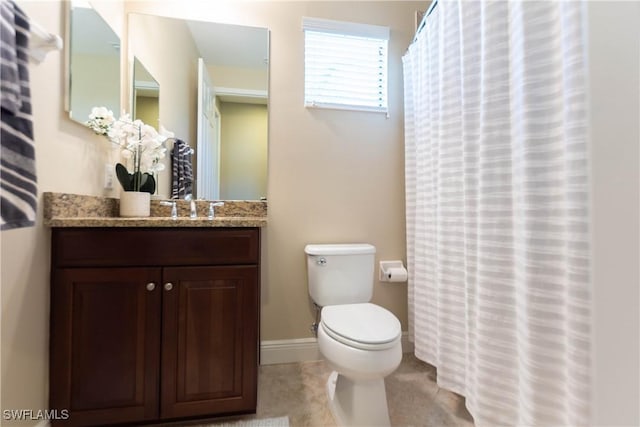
x: 139, y: 143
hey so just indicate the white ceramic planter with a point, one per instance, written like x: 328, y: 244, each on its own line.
x: 135, y: 204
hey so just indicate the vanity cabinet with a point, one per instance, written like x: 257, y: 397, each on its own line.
x: 153, y: 325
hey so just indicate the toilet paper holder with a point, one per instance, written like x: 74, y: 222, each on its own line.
x: 386, y: 274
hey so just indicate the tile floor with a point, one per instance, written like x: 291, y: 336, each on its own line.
x: 297, y: 390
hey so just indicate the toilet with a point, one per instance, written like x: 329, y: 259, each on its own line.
x: 360, y: 340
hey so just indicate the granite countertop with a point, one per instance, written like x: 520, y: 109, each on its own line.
x: 71, y: 210
x: 157, y: 222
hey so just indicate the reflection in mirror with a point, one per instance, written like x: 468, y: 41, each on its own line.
x: 223, y: 70
x: 146, y: 94
x: 94, y: 62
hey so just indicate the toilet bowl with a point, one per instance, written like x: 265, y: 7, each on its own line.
x: 359, y: 340
x: 361, y: 343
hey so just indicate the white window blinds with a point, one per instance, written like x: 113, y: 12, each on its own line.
x: 345, y: 65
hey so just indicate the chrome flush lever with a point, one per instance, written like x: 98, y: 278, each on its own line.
x: 321, y: 261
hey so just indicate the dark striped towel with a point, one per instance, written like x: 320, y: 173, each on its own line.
x: 181, y: 170
x: 18, y: 191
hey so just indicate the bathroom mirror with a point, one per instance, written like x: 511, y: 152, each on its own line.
x: 93, y: 62
x: 214, y: 80
x: 145, y: 95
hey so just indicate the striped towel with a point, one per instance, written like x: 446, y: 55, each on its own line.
x: 18, y: 191
x: 181, y: 170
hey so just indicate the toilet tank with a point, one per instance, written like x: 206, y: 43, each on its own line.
x: 340, y: 273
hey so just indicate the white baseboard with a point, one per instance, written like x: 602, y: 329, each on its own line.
x: 302, y: 350
x: 289, y: 351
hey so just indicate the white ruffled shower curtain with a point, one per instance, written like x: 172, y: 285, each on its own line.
x: 497, y: 208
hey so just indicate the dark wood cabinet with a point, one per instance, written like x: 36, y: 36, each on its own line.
x: 135, y: 340
x: 105, y: 344
x: 204, y: 333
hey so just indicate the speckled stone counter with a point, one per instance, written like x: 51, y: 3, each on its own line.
x: 72, y: 210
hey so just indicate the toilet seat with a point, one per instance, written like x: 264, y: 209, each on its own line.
x: 363, y: 326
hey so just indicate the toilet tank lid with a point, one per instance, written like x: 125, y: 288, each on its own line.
x: 340, y: 249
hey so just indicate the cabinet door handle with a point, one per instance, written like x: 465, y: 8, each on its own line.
x: 168, y: 286
x: 151, y: 286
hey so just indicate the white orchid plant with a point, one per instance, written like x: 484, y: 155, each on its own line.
x: 141, y: 145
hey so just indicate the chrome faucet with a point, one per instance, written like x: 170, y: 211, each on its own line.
x: 193, y: 212
x: 212, y: 212
x: 174, y: 208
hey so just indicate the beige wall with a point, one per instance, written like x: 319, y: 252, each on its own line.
x: 337, y: 176
x: 147, y: 109
x: 614, y: 36
x: 243, y: 151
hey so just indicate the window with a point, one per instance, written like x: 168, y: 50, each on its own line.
x: 345, y: 65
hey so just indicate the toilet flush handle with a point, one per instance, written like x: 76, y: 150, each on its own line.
x: 321, y: 261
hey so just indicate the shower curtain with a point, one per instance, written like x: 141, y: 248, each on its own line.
x: 497, y: 208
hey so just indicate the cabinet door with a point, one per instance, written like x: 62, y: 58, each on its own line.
x: 105, y: 344
x: 209, y: 340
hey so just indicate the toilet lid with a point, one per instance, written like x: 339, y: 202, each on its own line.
x: 361, y: 325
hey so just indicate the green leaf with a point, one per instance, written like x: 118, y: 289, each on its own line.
x: 125, y: 178
x: 149, y: 184
x: 135, y: 181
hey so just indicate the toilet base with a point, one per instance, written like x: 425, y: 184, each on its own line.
x: 357, y: 403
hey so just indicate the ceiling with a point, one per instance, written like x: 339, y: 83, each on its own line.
x: 223, y: 45
x: 218, y: 44
x: 231, y: 45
